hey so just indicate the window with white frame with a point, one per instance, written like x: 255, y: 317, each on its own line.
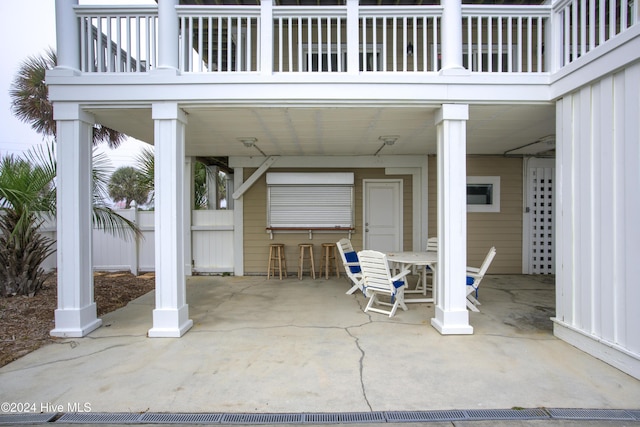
x: 310, y: 200
x: 483, y: 194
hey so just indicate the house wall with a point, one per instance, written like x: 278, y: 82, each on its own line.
x: 500, y: 229
x: 598, y: 232
x: 257, y: 240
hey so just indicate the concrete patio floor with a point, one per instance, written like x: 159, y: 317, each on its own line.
x: 290, y: 346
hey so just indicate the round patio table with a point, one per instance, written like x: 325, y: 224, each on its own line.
x: 418, y: 259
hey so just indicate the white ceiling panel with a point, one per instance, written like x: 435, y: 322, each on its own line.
x: 214, y: 131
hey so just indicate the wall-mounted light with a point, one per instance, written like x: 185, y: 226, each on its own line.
x: 248, y: 142
x: 410, y: 49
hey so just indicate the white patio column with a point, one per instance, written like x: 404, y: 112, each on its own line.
x: 452, y: 38
x: 67, y: 36
x: 168, y: 36
x: 353, y: 37
x: 171, y: 315
x: 266, y: 37
x: 76, y: 314
x: 451, y: 312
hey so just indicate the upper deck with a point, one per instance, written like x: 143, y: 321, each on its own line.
x: 350, y: 39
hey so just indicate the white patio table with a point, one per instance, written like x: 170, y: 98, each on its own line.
x: 418, y: 259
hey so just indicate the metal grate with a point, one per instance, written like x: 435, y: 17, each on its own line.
x: 415, y: 416
x: 361, y: 417
x: 26, y: 418
x: 506, y: 414
x: 100, y: 418
x: 591, y: 414
x: 160, y: 418
x: 635, y: 414
x: 322, y: 418
x: 261, y: 418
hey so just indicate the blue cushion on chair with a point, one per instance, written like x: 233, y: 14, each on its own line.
x: 352, y: 257
x: 398, y: 283
x: 469, y: 280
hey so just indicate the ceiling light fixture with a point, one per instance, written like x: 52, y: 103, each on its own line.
x: 386, y: 140
x: 389, y: 140
x: 248, y: 142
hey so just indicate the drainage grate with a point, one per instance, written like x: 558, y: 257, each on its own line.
x: 100, y: 418
x: 321, y: 418
x: 506, y: 414
x: 415, y: 416
x: 181, y: 418
x: 26, y: 418
x: 591, y: 414
x: 635, y: 414
x: 262, y: 418
x: 361, y: 417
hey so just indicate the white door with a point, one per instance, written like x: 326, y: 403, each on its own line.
x: 382, y: 209
x: 539, y: 226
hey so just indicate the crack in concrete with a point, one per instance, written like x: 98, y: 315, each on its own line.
x: 361, y: 368
x: 69, y: 359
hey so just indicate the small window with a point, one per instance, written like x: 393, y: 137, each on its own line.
x: 483, y: 194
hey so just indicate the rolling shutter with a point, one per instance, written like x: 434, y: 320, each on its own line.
x: 310, y: 200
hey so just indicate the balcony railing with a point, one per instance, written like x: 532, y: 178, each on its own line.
x: 379, y: 39
x: 127, y: 42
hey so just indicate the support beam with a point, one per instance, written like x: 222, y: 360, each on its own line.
x: 76, y: 315
x: 254, y: 177
x: 452, y: 316
x: 171, y: 315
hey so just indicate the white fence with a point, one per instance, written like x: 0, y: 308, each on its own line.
x: 211, y: 244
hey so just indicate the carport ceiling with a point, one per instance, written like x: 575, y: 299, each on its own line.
x: 356, y: 130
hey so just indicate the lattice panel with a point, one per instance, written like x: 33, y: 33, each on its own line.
x: 542, y: 233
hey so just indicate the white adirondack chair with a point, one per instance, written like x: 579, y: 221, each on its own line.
x: 351, y: 265
x: 378, y: 281
x: 474, y: 277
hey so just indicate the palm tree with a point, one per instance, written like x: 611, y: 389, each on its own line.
x: 25, y: 188
x: 30, y: 100
x: 125, y: 185
x: 27, y: 191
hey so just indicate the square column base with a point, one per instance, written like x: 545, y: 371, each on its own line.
x: 452, y: 322
x: 76, y: 323
x: 170, y: 323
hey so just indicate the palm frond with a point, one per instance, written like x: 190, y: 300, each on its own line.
x: 145, y: 163
x: 115, y: 224
x: 30, y: 100
x: 29, y: 94
x: 101, y: 171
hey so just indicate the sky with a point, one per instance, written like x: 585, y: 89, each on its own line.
x: 18, y: 43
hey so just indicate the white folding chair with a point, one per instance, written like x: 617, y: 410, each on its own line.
x: 474, y: 277
x: 378, y: 281
x: 351, y: 265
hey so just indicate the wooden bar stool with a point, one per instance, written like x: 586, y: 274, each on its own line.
x: 329, y: 260
x: 276, y: 255
x: 304, y: 254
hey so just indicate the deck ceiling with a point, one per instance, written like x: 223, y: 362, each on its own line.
x: 315, y: 131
